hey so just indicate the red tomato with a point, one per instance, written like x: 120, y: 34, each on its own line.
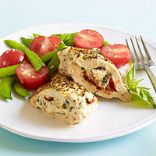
x: 88, y: 39
x: 11, y: 57
x: 42, y: 45
x: 118, y: 54
x: 30, y: 78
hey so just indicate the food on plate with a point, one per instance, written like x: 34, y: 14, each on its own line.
x: 88, y: 39
x: 8, y: 71
x: 85, y: 56
x: 67, y: 38
x: 64, y: 99
x: 11, y: 57
x: 42, y: 45
x: 20, y: 90
x: 6, y: 84
x: 30, y: 78
x: 139, y: 93
x: 53, y: 64
x: 118, y: 54
x: 93, y: 71
x: 26, y: 41
x: 32, y: 56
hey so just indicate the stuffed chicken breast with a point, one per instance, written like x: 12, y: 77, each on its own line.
x: 93, y: 71
x: 64, y: 99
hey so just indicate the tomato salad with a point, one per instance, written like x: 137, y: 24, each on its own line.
x: 29, y: 64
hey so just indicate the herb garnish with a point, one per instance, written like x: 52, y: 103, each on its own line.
x: 138, y: 93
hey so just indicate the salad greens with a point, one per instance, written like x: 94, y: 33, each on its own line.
x: 138, y: 93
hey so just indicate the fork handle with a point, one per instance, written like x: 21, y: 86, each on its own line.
x: 150, y: 72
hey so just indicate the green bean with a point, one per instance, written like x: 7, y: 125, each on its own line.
x: 5, y: 87
x: 26, y: 41
x: 32, y: 56
x: 8, y: 71
x: 106, y: 43
x: 67, y: 38
x: 53, y: 64
x: 20, y: 90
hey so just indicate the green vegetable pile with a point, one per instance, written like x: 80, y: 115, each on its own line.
x: 8, y: 79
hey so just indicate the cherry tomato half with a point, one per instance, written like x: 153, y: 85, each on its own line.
x: 11, y: 57
x: 118, y: 54
x: 88, y: 39
x: 42, y: 45
x: 30, y: 78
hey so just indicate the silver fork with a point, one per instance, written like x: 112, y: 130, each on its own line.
x: 142, y: 59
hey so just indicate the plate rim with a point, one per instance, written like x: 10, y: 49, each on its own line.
x: 118, y: 133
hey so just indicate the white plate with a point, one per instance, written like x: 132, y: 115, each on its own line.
x: 112, y: 118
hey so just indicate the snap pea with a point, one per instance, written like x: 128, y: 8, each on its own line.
x: 8, y: 71
x: 5, y: 87
x: 34, y: 59
x: 32, y: 56
x: 51, y: 54
x: 67, y: 38
x: 15, y: 45
x: 61, y: 46
x: 53, y: 64
x: 20, y: 90
x: 48, y: 56
x: 26, y: 41
x: 106, y: 43
x: 36, y: 35
x: 70, y: 39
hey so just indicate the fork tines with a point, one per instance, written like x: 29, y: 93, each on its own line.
x: 141, y: 56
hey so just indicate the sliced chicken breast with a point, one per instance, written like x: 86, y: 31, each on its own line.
x: 64, y: 99
x: 93, y: 71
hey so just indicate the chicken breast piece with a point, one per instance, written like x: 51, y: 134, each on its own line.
x: 64, y: 99
x: 93, y: 71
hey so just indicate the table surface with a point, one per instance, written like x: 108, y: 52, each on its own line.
x: 133, y: 15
